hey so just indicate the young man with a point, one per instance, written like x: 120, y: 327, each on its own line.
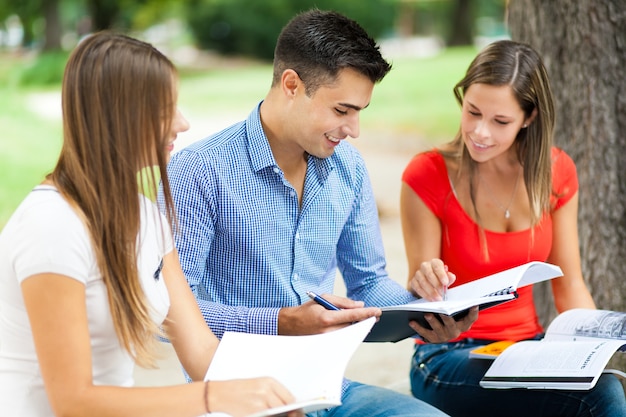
x: 270, y: 207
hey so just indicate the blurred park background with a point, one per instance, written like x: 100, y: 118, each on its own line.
x: 223, y: 49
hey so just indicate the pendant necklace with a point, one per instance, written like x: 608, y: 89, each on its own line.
x: 507, y: 213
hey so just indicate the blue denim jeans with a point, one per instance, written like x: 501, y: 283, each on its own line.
x: 361, y: 400
x: 443, y: 375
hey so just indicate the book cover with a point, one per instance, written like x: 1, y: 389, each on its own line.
x: 490, y: 351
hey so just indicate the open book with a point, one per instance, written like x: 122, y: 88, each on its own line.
x: 484, y: 292
x: 310, y: 367
x: 574, y: 352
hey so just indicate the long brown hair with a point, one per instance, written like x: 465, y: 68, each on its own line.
x: 520, y: 67
x: 118, y: 105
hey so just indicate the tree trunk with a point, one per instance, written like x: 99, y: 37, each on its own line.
x: 103, y: 13
x: 583, y: 44
x: 461, y: 28
x: 53, y: 25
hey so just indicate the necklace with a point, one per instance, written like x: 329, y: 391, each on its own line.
x: 507, y: 213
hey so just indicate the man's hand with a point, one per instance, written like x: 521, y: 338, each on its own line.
x: 312, y: 318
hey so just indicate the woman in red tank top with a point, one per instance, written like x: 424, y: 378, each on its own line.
x: 498, y: 196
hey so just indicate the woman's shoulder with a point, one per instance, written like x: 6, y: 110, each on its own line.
x: 562, y: 164
x: 564, y: 177
x: 429, y: 159
x: 426, y: 164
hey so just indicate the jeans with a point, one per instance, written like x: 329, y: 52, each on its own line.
x: 443, y: 375
x: 360, y: 400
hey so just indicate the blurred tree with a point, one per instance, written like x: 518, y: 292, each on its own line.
x: 59, y: 16
x: 28, y: 12
x: 104, y: 13
x: 52, y: 31
x: 583, y: 44
x: 462, y: 20
x: 251, y: 28
x: 454, y: 21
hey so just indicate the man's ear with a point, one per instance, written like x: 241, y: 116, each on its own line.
x: 290, y: 82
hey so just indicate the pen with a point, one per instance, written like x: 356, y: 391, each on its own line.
x: 445, y: 287
x: 321, y: 301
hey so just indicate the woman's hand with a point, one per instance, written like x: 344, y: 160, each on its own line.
x: 432, y: 280
x: 444, y: 328
x: 243, y: 397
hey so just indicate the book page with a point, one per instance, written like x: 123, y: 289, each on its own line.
x: 452, y: 305
x: 506, y: 281
x: 310, y: 367
x: 586, y: 324
x: 550, y: 365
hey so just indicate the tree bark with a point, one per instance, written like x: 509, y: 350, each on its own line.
x: 53, y: 26
x: 583, y: 44
x: 462, y: 19
x: 103, y: 13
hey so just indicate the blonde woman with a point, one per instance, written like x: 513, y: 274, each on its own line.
x: 89, y: 277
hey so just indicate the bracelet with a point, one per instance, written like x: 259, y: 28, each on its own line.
x: 206, y: 397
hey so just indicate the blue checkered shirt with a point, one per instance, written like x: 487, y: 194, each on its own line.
x: 246, y: 246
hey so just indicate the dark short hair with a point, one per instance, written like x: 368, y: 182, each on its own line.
x: 318, y: 44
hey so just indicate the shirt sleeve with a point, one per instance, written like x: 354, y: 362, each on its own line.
x: 427, y: 175
x: 360, y: 252
x: 564, y: 178
x: 53, y: 240
x: 195, y: 205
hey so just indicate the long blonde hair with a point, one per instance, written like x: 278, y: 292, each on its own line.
x: 118, y: 105
x: 520, y: 67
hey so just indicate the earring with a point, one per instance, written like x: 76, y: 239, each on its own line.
x: 525, y: 126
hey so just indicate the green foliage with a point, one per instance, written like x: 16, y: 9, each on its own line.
x: 46, y: 69
x: 242, y: 27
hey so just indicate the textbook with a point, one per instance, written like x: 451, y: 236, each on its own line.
x: 485, y: 292
x: 572, y: 355
x: 311, y: 367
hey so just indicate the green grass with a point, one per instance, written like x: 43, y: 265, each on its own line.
x: 30, y: 146
x: 416, y: 97
x: 414, y: 101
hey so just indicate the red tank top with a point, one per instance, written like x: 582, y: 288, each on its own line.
x: 461, y: 244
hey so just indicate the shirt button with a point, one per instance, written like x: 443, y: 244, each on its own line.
x: 291, y: 193
x: 276, y: 170
x: 297, y: 235
x: 295, y: 276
